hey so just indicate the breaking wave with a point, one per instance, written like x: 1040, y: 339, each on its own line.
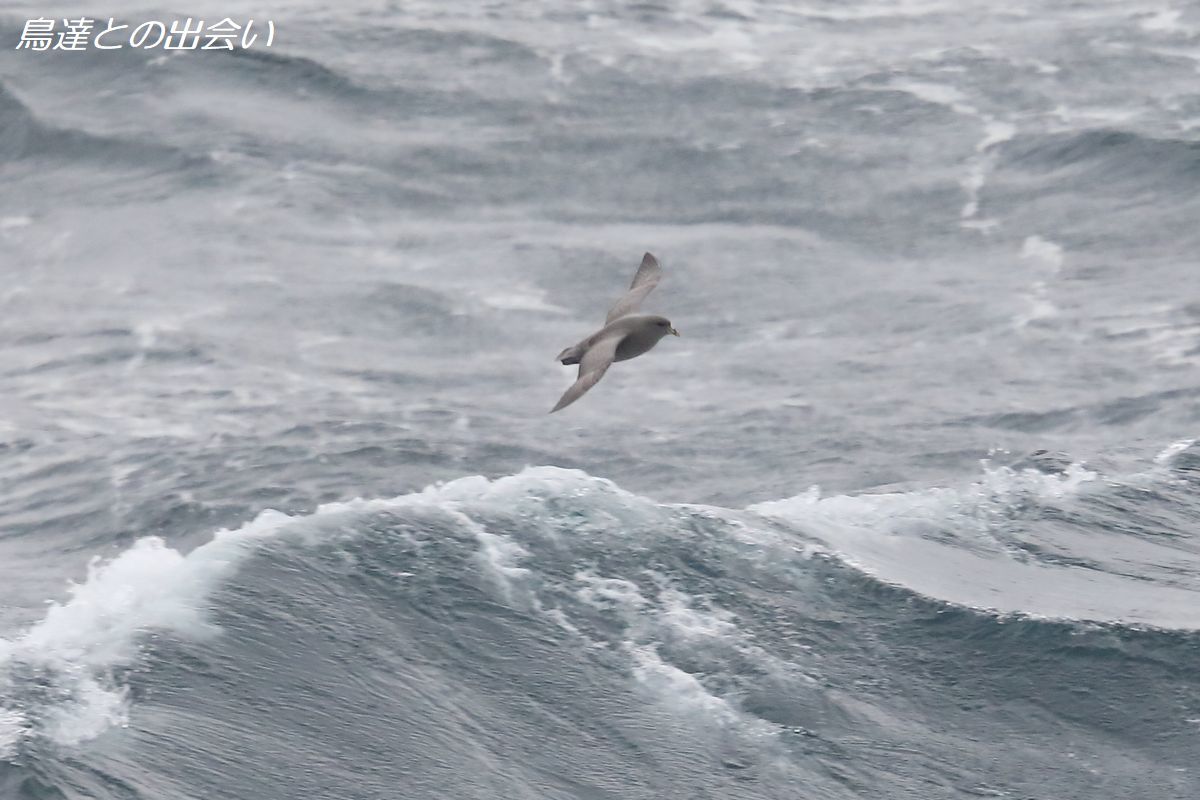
x: 723, y: 623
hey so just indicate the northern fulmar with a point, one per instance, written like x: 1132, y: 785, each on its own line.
x: 625, y: 334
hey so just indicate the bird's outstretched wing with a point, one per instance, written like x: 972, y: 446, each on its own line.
x: 593, y: 365
x: 647, y: 277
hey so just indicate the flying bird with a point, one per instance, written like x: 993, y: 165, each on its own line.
x: 625, y: 334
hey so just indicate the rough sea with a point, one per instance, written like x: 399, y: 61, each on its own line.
x: 909, y: 512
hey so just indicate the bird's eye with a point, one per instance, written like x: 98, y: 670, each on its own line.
x: 662, y: 324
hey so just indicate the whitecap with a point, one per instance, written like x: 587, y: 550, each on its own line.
x: 955, y: 544
x: 522, y: 300
x: 78, y: 644
x: 1047, y: 257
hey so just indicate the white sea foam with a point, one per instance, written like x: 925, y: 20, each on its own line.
x: 80, y: 644
x: 609, y: 593
x: 1177, y: 344
x: 681, y: 691
x: 995, y: 132
x: 978, y: 167
x: 938, y: 94
x: 949, y: 543
x: 499, y: 556
x: 1168, y: 453
x: 1166, y: 19
x: 671, y: 626
x: 655, y: 629
x: 12, y: 730
x: 96, y: 704
x: 660, y: 629
x: 522, y: 300
x: 867, y: 12
x: 77, y: 645
x: 1035, y: 248
x: 726, y: 42
x: 680, y: 620
x: 1167, y: 332
x: 1047, y: 258
x: 925, y: 510
x: 13, y: 222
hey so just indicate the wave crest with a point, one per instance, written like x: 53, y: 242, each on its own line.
x: 659, y: 585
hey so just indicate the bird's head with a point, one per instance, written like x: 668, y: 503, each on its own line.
x: 665, y: 325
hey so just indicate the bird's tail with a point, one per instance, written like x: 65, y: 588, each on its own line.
x: 571, y: 355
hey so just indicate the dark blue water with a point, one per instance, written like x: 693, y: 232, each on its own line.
x: 909, y: 511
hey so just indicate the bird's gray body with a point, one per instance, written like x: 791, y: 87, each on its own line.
x: 625, y: 335
x: 639, y: 333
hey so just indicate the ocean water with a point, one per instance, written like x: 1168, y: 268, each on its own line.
x: 909, y: 511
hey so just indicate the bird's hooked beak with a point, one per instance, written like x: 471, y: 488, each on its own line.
x: 674, y: 332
